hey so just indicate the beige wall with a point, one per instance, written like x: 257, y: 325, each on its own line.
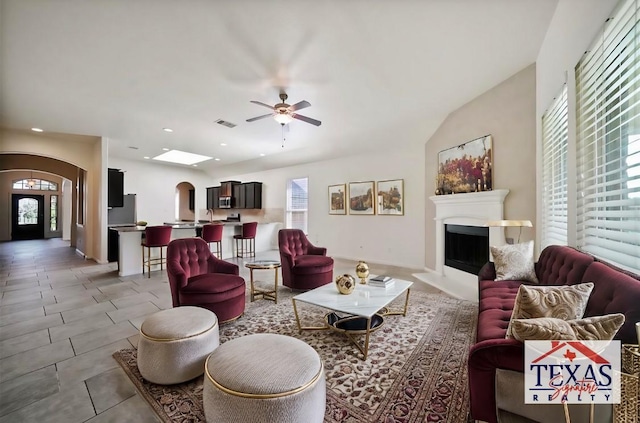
x: 507, y: 112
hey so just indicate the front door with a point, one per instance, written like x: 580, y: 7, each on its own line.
x: 28, y: 216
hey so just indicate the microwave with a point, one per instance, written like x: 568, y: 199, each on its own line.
x: 224, y: 202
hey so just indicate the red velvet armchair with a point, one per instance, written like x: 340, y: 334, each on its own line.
x: 304, y: 266
x: 198, y: 278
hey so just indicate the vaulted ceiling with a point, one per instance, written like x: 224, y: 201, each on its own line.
x: 378, y: 73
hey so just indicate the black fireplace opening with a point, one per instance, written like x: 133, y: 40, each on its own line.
x: 466, y: 248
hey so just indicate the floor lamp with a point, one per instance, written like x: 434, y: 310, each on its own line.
x: 511, y: 223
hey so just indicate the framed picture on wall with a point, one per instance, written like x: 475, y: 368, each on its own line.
x: 361, y: 198
x: 466, y: 167
x: 337, y: 199
x: 390, y: 197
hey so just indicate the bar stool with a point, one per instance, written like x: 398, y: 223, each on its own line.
x: 246, y: 240
x: 155, y: 237
x: 213, y: 233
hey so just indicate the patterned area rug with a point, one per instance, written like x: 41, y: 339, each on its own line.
x: 416, y: 370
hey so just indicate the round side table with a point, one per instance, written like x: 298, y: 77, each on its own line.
x: 264, y: 265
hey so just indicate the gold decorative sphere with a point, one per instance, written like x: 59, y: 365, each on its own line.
x: 362, y: 270
x: 345, y: 284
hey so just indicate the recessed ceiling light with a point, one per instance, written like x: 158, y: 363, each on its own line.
x: 194, y: 165
x: 262, y: 154
x: 165, y: 149
x: 37, y: 130
x: 216, y: 159
x: 181, y: 157
x: 147, y: 157
x: 224, y: 144
x: 167, y: 129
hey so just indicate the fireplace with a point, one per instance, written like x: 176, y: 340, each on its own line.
x: 469, y: 209
x: 466, y: 248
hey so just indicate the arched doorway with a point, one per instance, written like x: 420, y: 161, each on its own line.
x: 185, y: 202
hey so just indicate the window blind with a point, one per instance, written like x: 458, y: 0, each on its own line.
x: 297, y: 203
x: 608, y: 141
x: 555, y: 132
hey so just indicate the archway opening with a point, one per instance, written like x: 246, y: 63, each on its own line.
x: 185, y: 202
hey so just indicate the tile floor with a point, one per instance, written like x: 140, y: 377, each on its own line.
x: 61, y: 318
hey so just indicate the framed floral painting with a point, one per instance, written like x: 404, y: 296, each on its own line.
x: 361, y: 198
x: 390, y: 195
x: 337, y: 199
x: 466, y: 167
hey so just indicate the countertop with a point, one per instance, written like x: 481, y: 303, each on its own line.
x: 174, y: 225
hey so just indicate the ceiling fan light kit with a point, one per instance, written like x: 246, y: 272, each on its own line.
x: 284, y: 113
x: 282, y: 118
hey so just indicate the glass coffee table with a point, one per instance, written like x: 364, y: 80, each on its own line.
x: 358, y: 313
x: 264, y: 265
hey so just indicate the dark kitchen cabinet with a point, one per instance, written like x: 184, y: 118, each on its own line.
x: 239, y: 199
x: 213, y: 198
x: 226, y: 188
x: 252, y: 195
x: 216, y: 198
x: 115, y: 188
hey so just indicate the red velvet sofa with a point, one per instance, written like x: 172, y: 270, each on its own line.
x: 614, y: 291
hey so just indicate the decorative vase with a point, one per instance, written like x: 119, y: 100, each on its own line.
x: 362, y: 270
x: 345, y: 284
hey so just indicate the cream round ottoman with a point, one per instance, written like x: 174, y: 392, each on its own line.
x: 175, y: 343
x: 264, y: 378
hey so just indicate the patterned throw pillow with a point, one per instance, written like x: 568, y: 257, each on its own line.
x: 566, y: 302
x: 514, y: 262
x: 597, y: 328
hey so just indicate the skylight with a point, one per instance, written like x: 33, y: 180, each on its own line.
x: 181, y: 157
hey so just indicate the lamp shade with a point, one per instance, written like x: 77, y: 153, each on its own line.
x: 515, y: 223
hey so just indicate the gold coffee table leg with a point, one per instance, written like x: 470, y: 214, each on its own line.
x: 300, y: 327
x: 364, y: 348
x: 252, y: 288
x: 275, y: 287
x: 388, y: 312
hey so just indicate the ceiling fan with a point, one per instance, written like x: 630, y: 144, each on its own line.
x: 284, y: 113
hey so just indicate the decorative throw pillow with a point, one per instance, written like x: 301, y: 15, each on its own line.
x: 566, y: 302
x: 597, y: 328
x: 514, y: 262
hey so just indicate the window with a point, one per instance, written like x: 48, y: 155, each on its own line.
x: 27, y: 211
x: 555, y: 132
x: 37, y: 184
x: 608, y: 141
x: 297, y: 203
x: 53, y: 212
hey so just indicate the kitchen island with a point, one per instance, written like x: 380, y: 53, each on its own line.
x: 130, y: 239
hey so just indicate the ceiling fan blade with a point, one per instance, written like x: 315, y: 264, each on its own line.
x: 306, y: 119
x: 259, y: 117
x: 261, y: 104
x: 300, y: 105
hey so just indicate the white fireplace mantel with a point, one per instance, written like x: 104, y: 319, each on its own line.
x: 470, y: 209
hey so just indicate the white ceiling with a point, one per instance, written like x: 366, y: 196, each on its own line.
x: 377, y: 73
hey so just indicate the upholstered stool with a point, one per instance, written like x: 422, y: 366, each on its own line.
x: 264, y: 378
x: 175, y: 343
x: 155, y: 237
x: 246, y: 241
x: 213, y: 233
